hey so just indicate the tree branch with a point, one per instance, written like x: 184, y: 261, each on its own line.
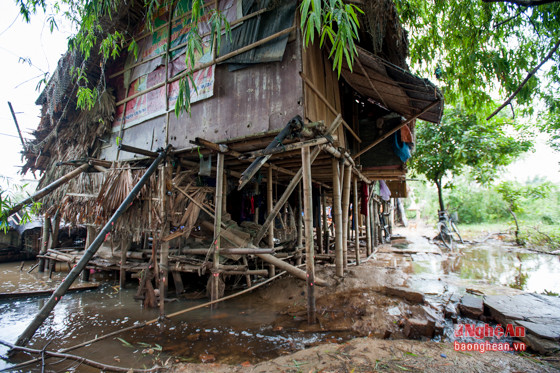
x: 95, y: 364
x: 523, y: 2
x: 497, y: 25
x: 529, y: 76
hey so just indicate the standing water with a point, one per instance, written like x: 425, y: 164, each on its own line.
x: 239, y: 330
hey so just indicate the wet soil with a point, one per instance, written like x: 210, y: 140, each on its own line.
x: 267, y: 330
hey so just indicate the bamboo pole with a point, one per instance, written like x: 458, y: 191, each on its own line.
x: 369, y: 230
x: 125, y: 247
x: 294, y: 271
x: 325, y: 223
x: 215, y: 294
x: 355, y: 214
x: 48, y: 189
x: 318, y: 224
x: 89, y: 239
x: 17, y: 126
x: 337, y: 215
x: 24, y: 338
x: 164, y: 175
x: 345, y: 213
x: 290, y: 188
x: 299, y: 219
x: 44, y: 242
x: 285, y: 148
x: 309, y: 243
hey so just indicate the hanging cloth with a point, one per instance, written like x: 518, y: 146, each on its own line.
x: 384, y: 191
x: 364, y: 191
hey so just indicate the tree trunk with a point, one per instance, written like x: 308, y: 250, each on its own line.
x: 440, y: 193
x: 517, y: 240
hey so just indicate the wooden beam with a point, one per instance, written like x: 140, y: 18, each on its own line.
x: 285, y: 148
x: 398, y: 127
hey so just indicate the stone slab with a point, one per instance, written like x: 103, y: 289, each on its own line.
x: 471, y: 306
x: 405, y: 293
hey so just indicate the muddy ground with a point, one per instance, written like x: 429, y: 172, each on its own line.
x: 362, y: 303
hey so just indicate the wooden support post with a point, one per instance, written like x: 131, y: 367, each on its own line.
x: 125, y: 244
x: 89, y: 239
x: 325, y: 223
x: 178, y: 281
x: 44, y: 242
x: 257, y: 210
x: 299, y: 221
x: 270, y: 206
x: 309, y: 243
x: 355, y: 214
x: 345, y: 212
x: 215, y: 293
x: 225, y: 192
x: 369, y: 230
x: 165, y: 174
x: 337, y: 215
x: 247, y: 276
x: 318, y: 223
x: 376, y: 228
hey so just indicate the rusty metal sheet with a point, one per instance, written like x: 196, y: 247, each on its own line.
x: 261, y: 98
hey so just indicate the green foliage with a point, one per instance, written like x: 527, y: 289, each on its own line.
x: 515, y: 193
x: 464, y: 141
x: 476, y: 49
x: 10, y: 195
x: 336, y: 21
x: 475, y: 204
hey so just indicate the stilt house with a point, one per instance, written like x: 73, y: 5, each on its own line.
x: 272, y: 130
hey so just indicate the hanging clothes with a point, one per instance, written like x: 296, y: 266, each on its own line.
x: 364, y: 192
x: 384, y: 191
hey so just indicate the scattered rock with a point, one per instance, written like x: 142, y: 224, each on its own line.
x: 450, y: 311
x: 471, y: 306
x: 405, y: 293
x: 417, y: 328
x: 207, y: 358
x: 541, y: 345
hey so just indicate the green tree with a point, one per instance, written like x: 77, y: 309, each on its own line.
x: 515, y: 194
x: 477, y: 49
x: 463, y: 140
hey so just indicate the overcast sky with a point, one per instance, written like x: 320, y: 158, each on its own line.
x: 34, y: 43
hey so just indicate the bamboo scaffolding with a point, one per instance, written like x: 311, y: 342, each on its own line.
x: 24, y: 338
x: 355, y: 214
x: 345, y: 213
x: 290, y: 188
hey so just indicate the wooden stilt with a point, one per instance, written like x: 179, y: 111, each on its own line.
x: 215, y: 294
x: 355, y: 214
x: 164, y: 176
x: 309, y: 242
x: 89, y: 239
x: 318, y: 223
x: 125, y: 244
x: 325, y: 223
x: 337, y: 214
x: 257, y: 210
x: 345, y: 212
x: 247, y: 277
x: 270, y: 206
x: 299, y: 225
x: 178, y: 281
x: 369, y: 230
x: 44, y: 242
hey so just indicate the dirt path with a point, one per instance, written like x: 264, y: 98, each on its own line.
x: 369, y: 355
